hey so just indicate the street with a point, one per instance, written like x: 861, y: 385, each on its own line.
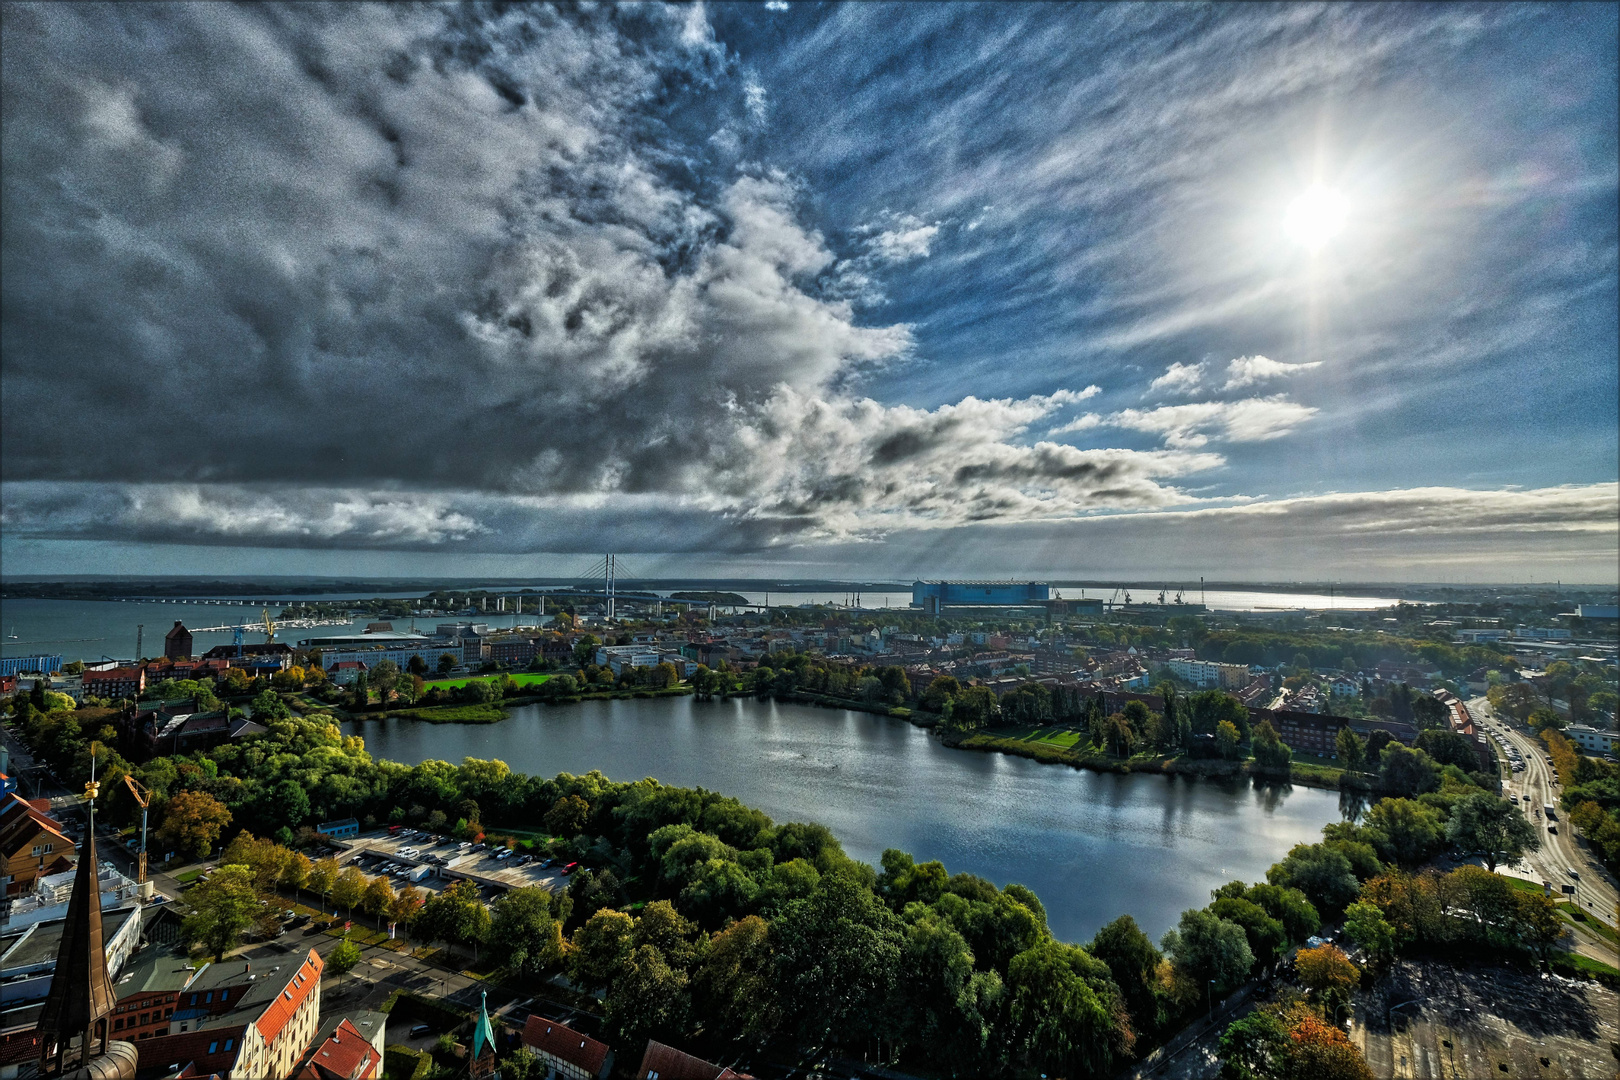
x: 1562, y: 850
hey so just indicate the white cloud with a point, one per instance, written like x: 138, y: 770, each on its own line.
x: 1179, y: 378
x: 910, y: 239
x: 1194, y: 424
x: 776, y: 5
x: 1248, y: 370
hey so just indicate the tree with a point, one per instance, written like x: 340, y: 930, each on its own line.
x: 296, y: 874
x: 837, y: 957
x: 378, y: 898
x: 1252, y: 1048
x: 1351, y: 750
x: 1484, y: 824
x: 1365, y: 925
x: 1227, y: 739
x: 323, y: 874
x: 1537, y: 918
x: 648, y: 999
x: 568, y: 815
x: 192, y: 821
x: 406, y: 907
x: 1270, y: 752
x: 732, y: 987
x: 1132, y: 959
x: 222, y: 909
x: 1205, y: 948
x: 1266, y: 937
x: 1058, y: 1009
x: 1405, y: 831
x: 1322, y: 873
x: 341, y: 960
x: 349, y: 889
x: 1406, y: 772
x: 526, y: 929
x: 455, y: 915
x: 1325, y: 969
x: 585, y: 649
x: 447, y: 662
x: 601, y: 949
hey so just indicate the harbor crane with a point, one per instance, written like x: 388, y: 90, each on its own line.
x: 143, y: 798
x: 269, y: 627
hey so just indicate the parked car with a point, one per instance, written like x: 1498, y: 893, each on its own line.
x: 422, y: 1029
x: 570, y: 868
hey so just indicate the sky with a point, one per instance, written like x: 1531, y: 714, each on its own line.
x: 814, y: 290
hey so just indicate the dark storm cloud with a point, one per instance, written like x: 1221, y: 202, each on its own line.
x: 437, y: 249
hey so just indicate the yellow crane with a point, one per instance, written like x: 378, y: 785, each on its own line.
x: 143, y: 798
x: 269, y: 627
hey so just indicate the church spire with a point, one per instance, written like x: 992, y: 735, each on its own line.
x: 81, y: 994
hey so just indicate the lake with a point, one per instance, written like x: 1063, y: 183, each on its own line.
x: 1091, y: 845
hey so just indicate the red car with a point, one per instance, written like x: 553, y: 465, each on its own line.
x: 570, y: 868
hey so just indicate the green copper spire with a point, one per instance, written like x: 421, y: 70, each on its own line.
x: 483, y: 1031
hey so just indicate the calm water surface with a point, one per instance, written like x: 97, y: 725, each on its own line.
x: 1091, y: 846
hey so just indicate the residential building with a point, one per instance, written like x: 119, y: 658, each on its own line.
x: 1542, y: 633
x: 32, y: 843
x: 570, y: 1054
x: 342, y: 1051
x: 118, y: 682
x: 514, y: 651
x: 177, y: 642
x: 1593, y: 740
x: 1311, y: 733
x: 344, y: 672
x: 257, y: 1030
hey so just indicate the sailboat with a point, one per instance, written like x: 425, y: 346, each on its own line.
x: 13, y: 635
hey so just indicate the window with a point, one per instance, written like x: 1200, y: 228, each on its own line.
x: 118, y: 1025
x: 193, y: 999
x: 213, y: 1048
x: 207, y: 998
x: 163, y: 1030
x: 37, y: 849
x: 49, y: 848
x: 224, y: 995
x: 169, y: 1011
x: 228, y: 1044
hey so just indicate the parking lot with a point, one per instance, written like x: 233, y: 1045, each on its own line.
x: 1428, y: 1019
x: 434, y: 862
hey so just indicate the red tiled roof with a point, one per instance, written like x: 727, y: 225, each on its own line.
x: 298, y: 989
x: 346, y: 1055
x: 565, y: 1043
x: 668, y: 1063
x: 189, y: 1049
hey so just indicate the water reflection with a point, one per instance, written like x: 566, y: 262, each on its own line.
x: 1091, y: 845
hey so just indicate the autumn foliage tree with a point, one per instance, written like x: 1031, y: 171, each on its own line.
x: 193, y: 821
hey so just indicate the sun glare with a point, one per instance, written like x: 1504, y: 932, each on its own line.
x: 1316, y: 216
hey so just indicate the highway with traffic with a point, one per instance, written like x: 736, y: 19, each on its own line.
x: 1561, y: 851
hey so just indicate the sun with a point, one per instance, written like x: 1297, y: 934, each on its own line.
x: 1316, y: 216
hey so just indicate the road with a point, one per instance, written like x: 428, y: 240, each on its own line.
x: 1561, y: 851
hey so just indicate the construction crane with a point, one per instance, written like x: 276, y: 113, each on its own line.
x: 143, y: 797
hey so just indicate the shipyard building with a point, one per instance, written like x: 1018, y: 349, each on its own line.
x: 933, y: 595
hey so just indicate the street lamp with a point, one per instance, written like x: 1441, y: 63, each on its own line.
x: 1211, y: 999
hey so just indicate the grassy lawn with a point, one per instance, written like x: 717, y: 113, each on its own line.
x: 1585, y: 964
x: 454, y: 714
x: 1601, y: 929
x: 523, y: 679
x: 1054, y: 736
